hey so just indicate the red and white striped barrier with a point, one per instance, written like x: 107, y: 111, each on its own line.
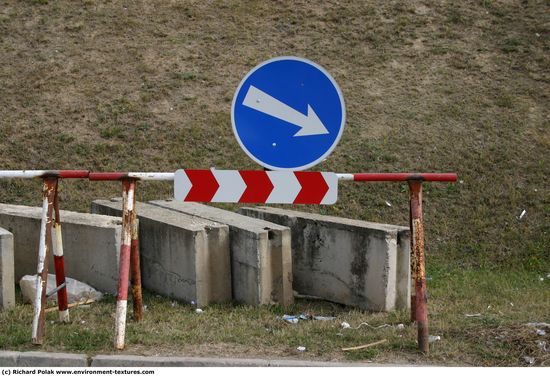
x: 269, y: 187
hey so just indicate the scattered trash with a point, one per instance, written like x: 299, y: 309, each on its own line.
x: 541, y: 279
x: 473, y: 314
x: 535, y: 324
x: 365, y: 346
x: 537, y: 35
x: 388, y: 203
x: 76, y: 290
x: 548, y: 276
x: 461, y: 182
x: 290, y: 319
x: 82, y: 322
x: 345, y: 325
x: 193, y: 302
x: 400, y: 326
x: 303, y: 317
x: 540, y: 332
x: 198, y: 310
x: 432, y: 339
x: 529, y: 360
x: 512, y: 304
x: 145, y: 307
x: 301, y: 348
x: 173, y: 304
x: 323, y: 318
x: 543, y: 346
x: 489, y: 306
x: 522, y: 214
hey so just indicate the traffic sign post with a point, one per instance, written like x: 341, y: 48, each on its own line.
x: 288, y: 113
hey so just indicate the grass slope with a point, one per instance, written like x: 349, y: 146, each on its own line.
x: 429, y: 86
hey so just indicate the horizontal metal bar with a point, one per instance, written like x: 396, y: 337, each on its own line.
x: 105, y: 176
x: 169, y: 176
x: 32, y: 174
x: 61, y: 286
x: 400, y: 176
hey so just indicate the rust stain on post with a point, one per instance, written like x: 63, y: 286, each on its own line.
x: 418, y: 270
x: 48, y: 193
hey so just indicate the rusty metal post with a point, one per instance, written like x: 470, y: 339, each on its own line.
x: 59, y: 261
x: 135, y: 265
x: 124, y: 262
x: 418, y: 270
x: 48, y: 193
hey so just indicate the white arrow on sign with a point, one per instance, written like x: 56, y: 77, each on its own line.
x: 310, y: 125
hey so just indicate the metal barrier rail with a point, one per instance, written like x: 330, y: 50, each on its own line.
x: 129, y: 252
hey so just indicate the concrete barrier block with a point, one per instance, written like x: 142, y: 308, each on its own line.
x: 261, y: 264
x: 91, y: 244
x: 347, y: 261
x: 183, y: 257
x: 7, y: 279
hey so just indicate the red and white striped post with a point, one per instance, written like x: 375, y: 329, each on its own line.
x: 129, y: 248
x: 48, y: 192
x: 50, y: 203
x: 59, y: 261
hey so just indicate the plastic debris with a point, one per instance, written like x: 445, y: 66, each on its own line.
x: 303, y: 316
x: 522, y: 214
x: 301, y: 348
x: 400, y: 326
x: 543, y: 346
x: 473, y: 315
x: 345, y: 325
x: 193, y: 302
x: 173, y: 304
x: 432, y: 339
x: 535, y: 324
x: 541, y: 279
x: 290, y: 319
x: 198, y: 310
x: 529, y: 360
x: 512, y: 304
x: 548, y: 276
x: 323, y: 318
x: 388, y: 203
x: 540, y: 332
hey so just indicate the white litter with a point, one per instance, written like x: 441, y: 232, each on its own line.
x: 432, y: 339
x: 388, y: 203
x: 540, y: 332
x: 301, y: 348
x: 400, y: 326
x: 473, y: 315
x: 529, y: 360
x: 345, y: 325
x: 535, y: 324
x: 522, y: 214
x: 543, y: 346
x: 198, y: 310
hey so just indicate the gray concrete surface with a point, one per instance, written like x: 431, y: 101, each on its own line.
x: 151, y: 361
x: 261, y: 264
x: 182, y: 257
x: 41, y: 359
x: 7, y: 279
x: 90, y: 242
x: 46, y: 359
x: 347, y: 261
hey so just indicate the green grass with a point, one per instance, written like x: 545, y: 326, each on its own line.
x: 429, y: 86
x: 506, y: 302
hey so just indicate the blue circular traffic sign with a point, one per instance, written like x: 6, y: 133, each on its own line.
x: 288, y: 113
